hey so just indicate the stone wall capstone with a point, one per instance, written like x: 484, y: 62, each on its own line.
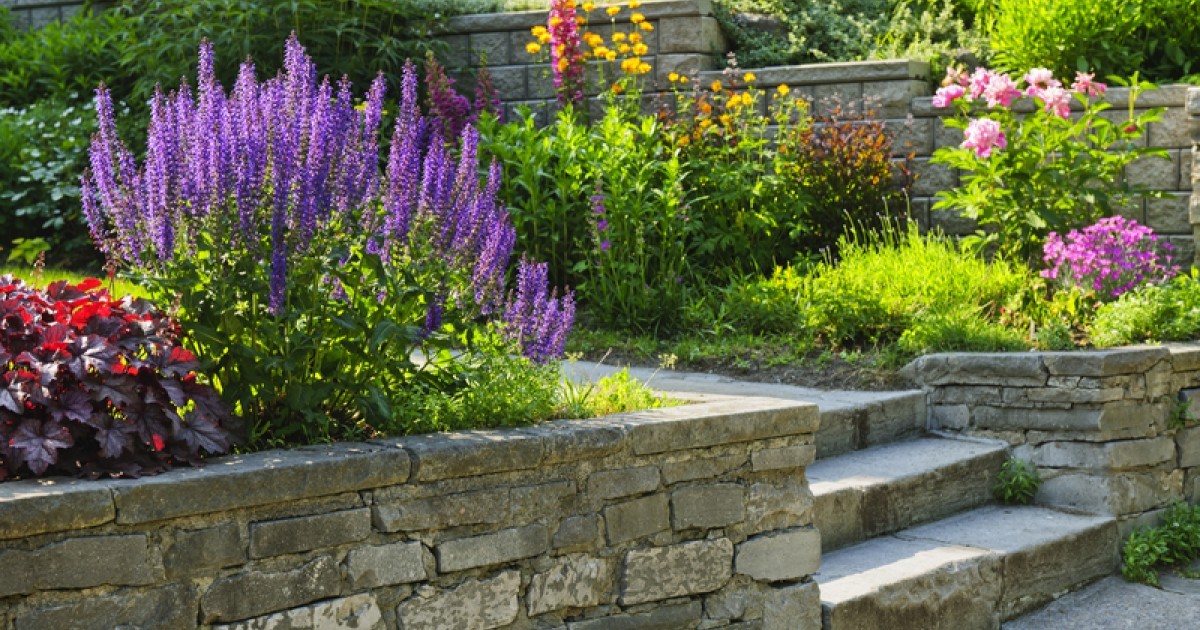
x: 569, y: 524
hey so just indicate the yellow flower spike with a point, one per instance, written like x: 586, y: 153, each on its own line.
x: 623, y: 49
x: 555, y: 21
x: 635, y: 38
x: 705, y: 124
x: 538, y: 31
x: 640, y: 49
x: 637, y: 18
x: 749, y: 78
x: 643, y: 68
x: 618, y: 37
x: 684, y: 141
x: 726, y: 119
x: 611, y: 55
x: 646, y: 26
x: 580, y: 20
x: 544, y: 38
x: 716, y: 86
x: 533, y: 48
x: 562, y: 64
x: 589, y: 6
x: 673, y: 77
x: 617, y: 88
x: 683, y: 79
x: 613, y: 10
x: 633, y: 4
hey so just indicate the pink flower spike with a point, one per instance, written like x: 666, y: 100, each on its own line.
x: 1041, y: 78
x: 1085, y: 84
x: 948, y: 94
x: 1057, y: 101
x: 979, y: 82
x: 983, y: 135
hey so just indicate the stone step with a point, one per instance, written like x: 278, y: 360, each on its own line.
x: 880, y: 490
x: 973, y: 570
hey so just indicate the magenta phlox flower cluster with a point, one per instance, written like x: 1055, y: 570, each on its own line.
x: 265, y: 169
x: 1110, y: 257
x: 566, y: 52
x: 999, y: 90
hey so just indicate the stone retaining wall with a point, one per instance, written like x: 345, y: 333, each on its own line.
x: 692, y: 516
x: 1099, y: 426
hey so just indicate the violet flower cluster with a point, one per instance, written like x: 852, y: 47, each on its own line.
x: 265, y: 169
x: 566, y: 52
x: 1110, y: 257
x: 997, y: 89
x: 445, y: 104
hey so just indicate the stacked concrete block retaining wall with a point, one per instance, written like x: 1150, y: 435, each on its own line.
x: 33, y: 14
x: 1108, y: 430
x: 695, y: 516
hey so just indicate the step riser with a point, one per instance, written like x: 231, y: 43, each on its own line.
x: 851, y: 515
x: 847, y: 429
x: 1035, y: 578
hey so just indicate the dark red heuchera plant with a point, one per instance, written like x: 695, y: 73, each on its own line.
x: 91, y: 386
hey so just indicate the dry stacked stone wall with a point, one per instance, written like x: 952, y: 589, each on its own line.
x: 695, y: 516
x: 1102, y: 427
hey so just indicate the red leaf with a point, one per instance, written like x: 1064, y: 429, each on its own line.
x: 89, y: 284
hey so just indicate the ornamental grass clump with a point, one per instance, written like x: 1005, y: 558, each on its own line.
x: 1024, y: 176
x: 329, y: 295
x: 91, y: 385
x: 1110, y: 257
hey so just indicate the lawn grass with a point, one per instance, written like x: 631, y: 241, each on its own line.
x: 118, y: 288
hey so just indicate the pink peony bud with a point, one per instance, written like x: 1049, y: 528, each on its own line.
x: 983, y: 135
x: 948, y: 94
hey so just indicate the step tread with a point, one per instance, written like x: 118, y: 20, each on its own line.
x: 1011, y: 560
x: 890, y: 462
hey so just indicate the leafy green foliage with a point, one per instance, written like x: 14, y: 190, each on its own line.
x: 618, y: 392
x: 43, y: 150
x: 1167, y: 312
x: 1158, y: 38
x: 1175, y: 542
x: 64, y: 61
x: 1017, y: 482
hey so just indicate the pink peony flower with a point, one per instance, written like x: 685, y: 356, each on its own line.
x: 1084, y: 84
x: 955, y: 75
x: 1001, y: 90
x: 1057, y: 101
x: 1039, y: 79
x: 978, y: 83
x: 947, y: 95
x: 983, y: 135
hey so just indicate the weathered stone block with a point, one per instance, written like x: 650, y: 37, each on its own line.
x: 911, y: 136
x: 1104, y: 362
x: 1188, y: 443
x: 451, y: 510
x: 951, y: 222
x: 713, y: 424
x: 966, y: 394
x: 1120, y: 494
x: 384, y: 565
x: 38, y: 506
x: 1172, y: 131
x: 978, y: 368
x: 781, y: 505
x: 637, y: 518
x: 789, y: 555
x: 794, y: 607
x: 931, y: 178
x: 571, y: 440
x: 578, y: 531
x: 1107, y: 417
x: 675, y: 571
x: 685, y: 64
x: 892, y: 99
x: 358, y: 611
x: 493, y: 47
x: 669, y: 617
x: 950, y: 417
x: 80, y: 563
x: 472, y: 453
x: 529, y: 503
x: 612, y: 484
x: 510, y: 81
x: 229, y: 483
x: 503, y: 546
x: 782, y: 458
x: 705, y: 468
x: 714, y: 505
x: 1170, y: 214
x: 691, y: 35
x: 168, y: 608
x: 472, y: 605
x: 303, y: 533
x: 208, y: 548
x: 830, y: 97
x: 1154, y: 172
x: 457, y: 52
x: 254, y: 593
x: 1122, y: 455
x: 575, y: 581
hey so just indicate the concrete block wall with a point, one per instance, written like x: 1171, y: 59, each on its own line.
x: 694, y: 516
x: 34, y: 14
x: 1100, y: 426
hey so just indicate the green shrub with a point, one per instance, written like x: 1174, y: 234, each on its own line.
x: 1167, y: 312
x: 1017, y: 482
x: 64, y: 61
x: 1175, y: 542
x: 1158, y: 38
x: 933, y: 30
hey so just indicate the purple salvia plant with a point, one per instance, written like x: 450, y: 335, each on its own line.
x: 270, y: 166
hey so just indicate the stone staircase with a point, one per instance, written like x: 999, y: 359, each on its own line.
x: 911, y: 536
x: 913, y: 539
